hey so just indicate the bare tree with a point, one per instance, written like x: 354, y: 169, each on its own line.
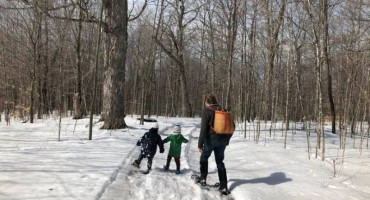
x: 177, y: 39
x: 115, y: 118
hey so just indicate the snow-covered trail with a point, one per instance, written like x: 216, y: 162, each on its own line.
x: 131, y: 184
x: 164, y: 185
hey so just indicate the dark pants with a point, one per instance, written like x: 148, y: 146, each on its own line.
x: 177, y: 160
x: 219, y: 154
x: 219, y: 151
x: 148, y: 155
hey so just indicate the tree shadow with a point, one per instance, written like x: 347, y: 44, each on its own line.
x: 274, y: 179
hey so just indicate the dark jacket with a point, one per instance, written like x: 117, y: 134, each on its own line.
x: 207, y: 135
x: 149, y: 142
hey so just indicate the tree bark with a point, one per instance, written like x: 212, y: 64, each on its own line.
x: 44, y: 90
x: 287, y: 100
x: 116, y: 116
x: 77, y: 114
x: 327, y: 62
x: 93, y: 106
x: 231, y: 37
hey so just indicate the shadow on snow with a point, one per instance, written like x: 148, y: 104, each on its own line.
x: 274, y: 179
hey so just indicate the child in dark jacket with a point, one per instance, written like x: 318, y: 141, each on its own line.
x: 176, y: 140
x: 148, y: 144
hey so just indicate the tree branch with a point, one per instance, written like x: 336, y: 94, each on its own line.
x: 141, y: 12
x: 173, y: 39
x: 187, y: 23
x: 169, y: 54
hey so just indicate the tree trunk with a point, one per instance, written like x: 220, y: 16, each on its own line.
x: 272, y: 27
x: 107, y: 79
x: 39, y: 95
x: 327, y: 62
x: 44, y: 90
x: 93, y: 106
x: 287, y: 101
x: 116, y: 116
x: 231, y: 37
x: 186, y: 106
x: 77, y: 100
x: 213, y: 54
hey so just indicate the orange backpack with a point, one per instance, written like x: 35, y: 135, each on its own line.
x: 223, y: 122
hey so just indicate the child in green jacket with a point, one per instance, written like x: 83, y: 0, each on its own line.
x: 176, y: 140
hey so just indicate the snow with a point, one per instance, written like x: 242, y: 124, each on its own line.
x: 34, y: 165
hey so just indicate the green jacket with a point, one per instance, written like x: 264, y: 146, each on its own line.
x: 175, y: 145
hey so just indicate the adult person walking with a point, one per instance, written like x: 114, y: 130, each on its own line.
x: 209, y: 141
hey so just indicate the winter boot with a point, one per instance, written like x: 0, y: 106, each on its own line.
x: 203, y: 173
x: 224, y: 191
x: 136, y: 163
x: 167, y: 166
x: 177, y: 172
x: 223, y: 181
x: 177, y: 165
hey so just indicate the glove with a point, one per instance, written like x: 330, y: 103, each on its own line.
x: 161, y: 151
x: 138, y: 143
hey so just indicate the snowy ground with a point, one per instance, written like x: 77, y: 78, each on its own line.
x: 34, y: 165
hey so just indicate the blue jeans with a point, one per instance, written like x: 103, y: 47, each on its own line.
x: 218, y: 148
x: 218, y: 145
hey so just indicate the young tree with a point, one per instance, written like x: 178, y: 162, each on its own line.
x: 272, y: 29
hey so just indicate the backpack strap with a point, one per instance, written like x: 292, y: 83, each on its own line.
x: 209, y: 107
x: 222, y: 108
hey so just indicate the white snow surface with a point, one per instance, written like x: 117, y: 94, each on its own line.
x: 35, y: 165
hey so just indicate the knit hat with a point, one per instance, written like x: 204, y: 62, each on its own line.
x: 177, y: 129
x: 155, y: 126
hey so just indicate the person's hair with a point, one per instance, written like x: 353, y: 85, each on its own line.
x: 210, y: 99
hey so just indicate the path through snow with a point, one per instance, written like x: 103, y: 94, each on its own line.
x: 158, y: 184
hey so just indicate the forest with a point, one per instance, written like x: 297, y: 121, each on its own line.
x: 270, y: 60
x: 78, y: 79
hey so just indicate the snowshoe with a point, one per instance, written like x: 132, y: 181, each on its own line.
x: 205, y: 186
x: 224, y: 191
x: 195, y: 177
x: 201, y: 182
